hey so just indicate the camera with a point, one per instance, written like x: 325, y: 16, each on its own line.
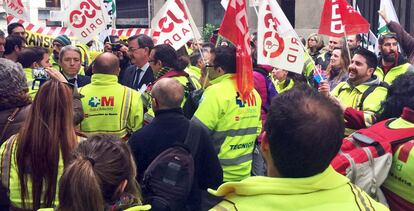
x: 40, y: 74
x: 115, y: 46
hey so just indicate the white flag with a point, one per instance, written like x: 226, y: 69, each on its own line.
x: 16, y: 8
x: 278, y: 44
x: 390, y: 11
x: 86, y: 19
x: 174, y: 25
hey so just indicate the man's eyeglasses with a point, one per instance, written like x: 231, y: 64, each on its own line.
x: 131, y: 49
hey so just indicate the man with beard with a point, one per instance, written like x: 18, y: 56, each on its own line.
x: 361, y: 95
x: 391, y: 62
x: 58, y: 43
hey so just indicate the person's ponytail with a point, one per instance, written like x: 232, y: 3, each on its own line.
x: 79, y: 187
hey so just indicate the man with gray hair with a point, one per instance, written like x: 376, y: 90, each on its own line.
x: 168, y: 128
x: 70, y: 63
x: 2, y: 43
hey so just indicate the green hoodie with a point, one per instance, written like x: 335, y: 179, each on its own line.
x: 325, y: 191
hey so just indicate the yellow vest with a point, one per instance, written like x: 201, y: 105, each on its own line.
x: 110, y: 107
x: 325, y: 191
x: 8, y: 153
x: 400, y: 180
x: 393, y: 73
x: 350, y: 96
x: 234, y: 125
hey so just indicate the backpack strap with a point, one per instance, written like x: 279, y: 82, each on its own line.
x: 193, y: 138
x: 9, y: 120
x: 369, y: 91
x: 190, y: 84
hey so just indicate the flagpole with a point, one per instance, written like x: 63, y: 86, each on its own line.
x: 347, y: 46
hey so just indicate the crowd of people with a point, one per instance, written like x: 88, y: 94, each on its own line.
x: 147, y: 127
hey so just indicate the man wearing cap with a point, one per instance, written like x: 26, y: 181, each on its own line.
x: 391, y: 63
x: 58, y: 43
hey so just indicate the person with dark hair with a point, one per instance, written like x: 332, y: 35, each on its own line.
x: 100, y: 176
x: 148, y: 142
x: 406, y: 41
x: 361, y: 94
x: 303, y: 133
x: 233, y: 123
x: 285, y: 80
x: 2, y: 43
x: 140, y: 72
x: 34, y: 59
x: 58, y: 43
x: 391, y: 62
x: 165, y: 63
x: 16, y: 29
x: 33, y: 160
x: 110, y: 107
x: 354, y: 43
x: 12, y: 48
x: 70, y: 65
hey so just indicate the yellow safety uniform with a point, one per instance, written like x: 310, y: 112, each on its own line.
x: 233, y: 124
x: 328, y: 190
x: 110, y: 107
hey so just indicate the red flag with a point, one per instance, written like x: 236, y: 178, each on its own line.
x: 235, y: 29
x: 339, y: 18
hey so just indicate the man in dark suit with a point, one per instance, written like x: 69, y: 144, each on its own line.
x: 70, y: 61
x: 140, y: 72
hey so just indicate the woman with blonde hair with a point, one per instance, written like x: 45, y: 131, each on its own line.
x: 33, y: 160
x: 101, y: 176
x: 337, y: 70
x: 314, y: 45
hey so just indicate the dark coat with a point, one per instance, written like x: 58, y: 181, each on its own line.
x: 167, y: 128
x: 14, y: 126
x: 83, y: 80
x: 129, y: 76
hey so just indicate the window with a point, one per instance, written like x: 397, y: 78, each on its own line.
x: 52, y: 3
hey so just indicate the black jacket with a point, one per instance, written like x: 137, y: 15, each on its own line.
x: 167, y: 128
x: 129, y: 76
x: 83, y: 80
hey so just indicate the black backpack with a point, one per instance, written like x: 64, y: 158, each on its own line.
x: 169, y: 178
x: 193, y: 97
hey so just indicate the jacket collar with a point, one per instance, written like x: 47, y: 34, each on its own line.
x: 222, y: 78
x: 103, y: 79
x: 328, y: 179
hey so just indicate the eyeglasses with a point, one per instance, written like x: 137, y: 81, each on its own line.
x: 19, y: 34
x: 131, y: 49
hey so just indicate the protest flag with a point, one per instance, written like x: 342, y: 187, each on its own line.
x: 234, y: 28
x: 16, y: 8
x: 173, y: 25
x: 278, y: 43
x: 339, y: 19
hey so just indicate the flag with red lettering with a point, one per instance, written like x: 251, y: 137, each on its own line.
x: 16, y: 8
x: 86, y: 19
x: 174, y: 25
x: 339, y: 19
x: 278, y: 44
x: 235, y: 29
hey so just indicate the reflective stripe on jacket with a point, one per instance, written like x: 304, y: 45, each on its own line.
x: 234, y: 125
x: 110, y: 107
